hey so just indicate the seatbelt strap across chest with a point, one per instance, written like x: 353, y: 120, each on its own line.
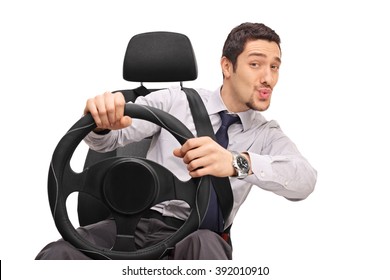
x: 203, y: 127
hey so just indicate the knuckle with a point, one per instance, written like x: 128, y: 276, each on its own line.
x: 190, y: 166
x: 110, y: 109
x: 187, y: 156
x: 198, y: 172
x: 190, y: 143
x: 102, y: 111
x: 119, y: 99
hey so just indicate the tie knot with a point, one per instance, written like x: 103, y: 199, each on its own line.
x: 228, y: 119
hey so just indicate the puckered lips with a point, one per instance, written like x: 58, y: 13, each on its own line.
x: 264, y: 93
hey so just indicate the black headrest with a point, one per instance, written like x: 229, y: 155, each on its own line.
x: 160, y: 57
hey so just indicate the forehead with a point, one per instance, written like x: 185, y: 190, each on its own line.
x: 263, y: 48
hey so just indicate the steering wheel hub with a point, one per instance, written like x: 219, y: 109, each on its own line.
x: 122, y: 185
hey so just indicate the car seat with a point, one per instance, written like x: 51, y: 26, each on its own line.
x: 150, y: 57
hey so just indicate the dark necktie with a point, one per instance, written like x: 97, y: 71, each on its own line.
x: 213, y: 219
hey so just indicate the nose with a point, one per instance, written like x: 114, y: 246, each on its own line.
x: 267, y: 77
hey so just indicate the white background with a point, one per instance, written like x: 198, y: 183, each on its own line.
x: 331, y: 100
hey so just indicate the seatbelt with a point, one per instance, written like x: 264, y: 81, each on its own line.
x: 203, y: 127
x: 133, y: 94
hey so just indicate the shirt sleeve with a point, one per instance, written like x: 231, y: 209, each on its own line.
x: 279, y: 167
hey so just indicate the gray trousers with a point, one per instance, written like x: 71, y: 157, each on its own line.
x: 199, y: 245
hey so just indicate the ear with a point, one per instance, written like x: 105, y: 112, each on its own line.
x: 226, y: 67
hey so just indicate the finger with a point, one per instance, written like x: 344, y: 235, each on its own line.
x: 200, y: 172
x: 197, y: 163
x: 101, y: 107
x: 191, y: 156
x: 109, y: 103
x: 181, y: 152
x: 178, y: 153
x: 198, y: 152
x: 91, y: 108
x: 119, y: 103
x: 190, y: 145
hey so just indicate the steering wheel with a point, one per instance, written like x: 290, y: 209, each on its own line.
x: 127, y: 186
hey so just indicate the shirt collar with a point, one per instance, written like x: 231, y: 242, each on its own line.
x: 215, y: 105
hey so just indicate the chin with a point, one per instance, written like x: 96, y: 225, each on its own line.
x: 259, y: 106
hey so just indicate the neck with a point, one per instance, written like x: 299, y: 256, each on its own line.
x: 232, y: 104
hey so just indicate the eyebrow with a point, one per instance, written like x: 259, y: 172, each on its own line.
x: 263, y: 55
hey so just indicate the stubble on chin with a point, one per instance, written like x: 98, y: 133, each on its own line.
x: 259, y: 106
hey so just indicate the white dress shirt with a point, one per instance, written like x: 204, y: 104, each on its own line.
x: 276, y: 163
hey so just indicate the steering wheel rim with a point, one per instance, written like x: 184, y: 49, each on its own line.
x: 59, y: 188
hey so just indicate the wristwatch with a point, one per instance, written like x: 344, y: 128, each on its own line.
x: 241, y: 165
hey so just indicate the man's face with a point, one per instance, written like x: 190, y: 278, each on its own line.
x: 250, y: 85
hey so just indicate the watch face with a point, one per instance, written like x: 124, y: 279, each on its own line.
x: 242, y: 163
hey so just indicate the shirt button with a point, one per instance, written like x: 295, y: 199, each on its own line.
x: 262, y: 174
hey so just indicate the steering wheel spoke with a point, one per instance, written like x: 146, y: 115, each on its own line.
x: 125, y: 236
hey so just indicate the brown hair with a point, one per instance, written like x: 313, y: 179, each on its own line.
x: 240, y: 35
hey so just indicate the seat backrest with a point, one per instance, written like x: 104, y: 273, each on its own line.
x: 150, y: 57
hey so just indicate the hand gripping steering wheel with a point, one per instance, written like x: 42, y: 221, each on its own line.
x: 127, y: 186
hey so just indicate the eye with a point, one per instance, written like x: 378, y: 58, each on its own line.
x: 254, y: 64
x: 275, y: 67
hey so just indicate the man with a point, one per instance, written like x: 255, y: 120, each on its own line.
x: 250, y: 66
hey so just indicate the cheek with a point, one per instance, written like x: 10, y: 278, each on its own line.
x: 275, y: 79
x: 246, y: 80
x: 244, y: 89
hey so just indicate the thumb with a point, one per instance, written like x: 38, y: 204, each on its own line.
x: 125, y: 121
